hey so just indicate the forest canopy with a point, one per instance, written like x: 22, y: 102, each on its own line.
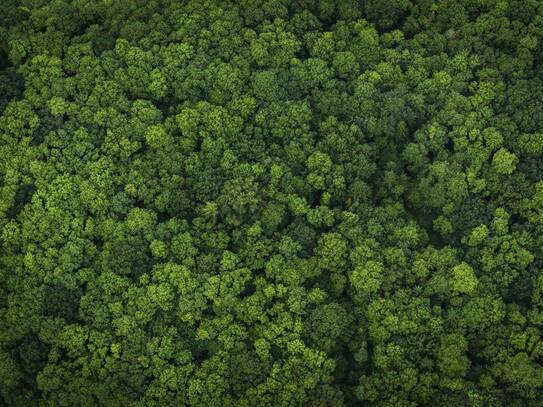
x: 271, y: 203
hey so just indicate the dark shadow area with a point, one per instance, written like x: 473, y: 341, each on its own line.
x: 22, y: 197
x: 4, y: 61
x: 61, y: 302
x: 11, y: 83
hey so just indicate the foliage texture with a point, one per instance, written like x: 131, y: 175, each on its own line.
x: 271, y: 203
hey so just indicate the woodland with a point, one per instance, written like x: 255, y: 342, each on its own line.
x: 271, y: 203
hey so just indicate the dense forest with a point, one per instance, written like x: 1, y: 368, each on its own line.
x: 271, y: 203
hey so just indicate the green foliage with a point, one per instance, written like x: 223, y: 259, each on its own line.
x: 271, y: 203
